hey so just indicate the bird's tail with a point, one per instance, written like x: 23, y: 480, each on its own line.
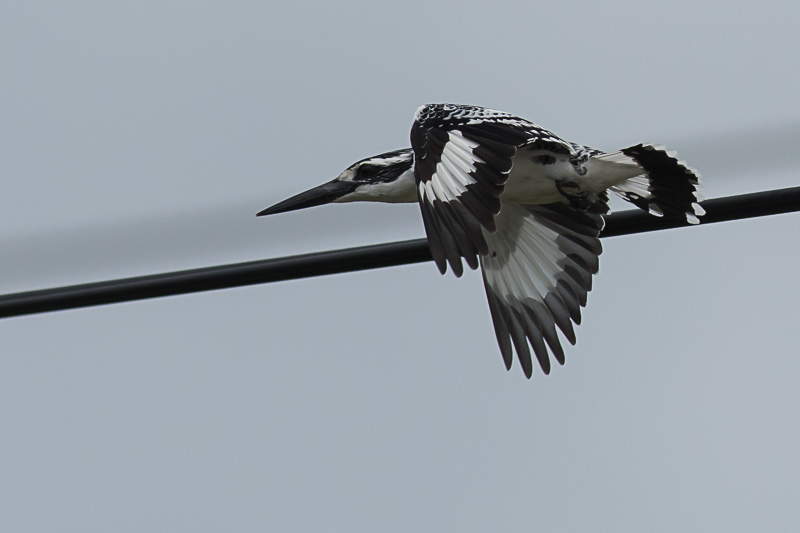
x: 666, y: 186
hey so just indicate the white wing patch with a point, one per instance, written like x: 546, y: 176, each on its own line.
x: 459, y: 184
x: 537, y: 275
x: 452, y: 174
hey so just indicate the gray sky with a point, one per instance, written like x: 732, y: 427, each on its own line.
x: 143, y: 138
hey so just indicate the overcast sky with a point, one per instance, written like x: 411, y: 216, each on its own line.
x: 143, y: 138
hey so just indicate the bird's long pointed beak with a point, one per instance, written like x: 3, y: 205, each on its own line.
x: 323, y: 194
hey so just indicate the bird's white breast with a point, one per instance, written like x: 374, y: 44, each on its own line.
x: 531, y: 182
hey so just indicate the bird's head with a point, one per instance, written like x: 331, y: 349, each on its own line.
x: 387, y: 177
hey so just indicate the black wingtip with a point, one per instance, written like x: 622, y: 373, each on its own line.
x: 528, y: 370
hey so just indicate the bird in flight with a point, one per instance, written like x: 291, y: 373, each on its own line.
x: 500, y: 192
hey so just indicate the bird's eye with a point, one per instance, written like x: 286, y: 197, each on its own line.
x: 366, y: 171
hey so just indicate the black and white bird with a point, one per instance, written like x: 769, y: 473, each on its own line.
x: 501, y: 192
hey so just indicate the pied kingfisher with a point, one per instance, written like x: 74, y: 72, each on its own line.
x: 501, y: 192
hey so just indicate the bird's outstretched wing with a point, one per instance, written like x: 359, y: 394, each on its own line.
x: 537, y: 275
x: 462, y: 158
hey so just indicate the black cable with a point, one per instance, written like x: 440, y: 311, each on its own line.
x: 348, y: 260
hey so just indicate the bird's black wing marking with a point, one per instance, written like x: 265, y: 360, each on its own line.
x: 666, y: 187
x: 462, y: 158
x: 537, y: 275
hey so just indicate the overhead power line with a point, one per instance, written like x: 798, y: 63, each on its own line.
x: 348, y: 260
